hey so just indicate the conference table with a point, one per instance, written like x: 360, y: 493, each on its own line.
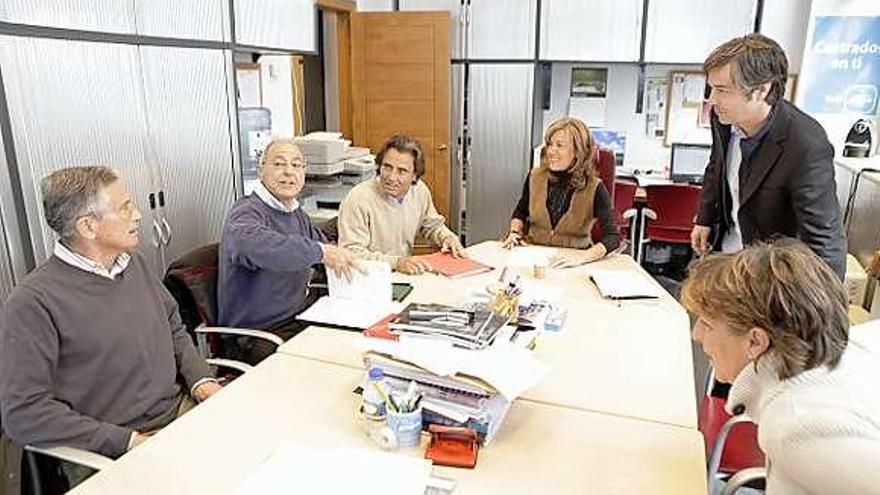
x: 615, y: 414
x: 630, y: 358
x: 540, y: 448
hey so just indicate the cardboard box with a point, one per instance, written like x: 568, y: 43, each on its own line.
x: 856, y: 281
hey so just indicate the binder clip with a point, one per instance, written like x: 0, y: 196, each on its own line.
x: 453, y: 446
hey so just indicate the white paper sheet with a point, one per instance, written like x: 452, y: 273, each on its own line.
x: 300, y: 469
x: 351, y: 313
x: 374, y: 285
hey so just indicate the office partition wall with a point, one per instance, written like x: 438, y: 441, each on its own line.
x: 685, y: 31
x: 502, y: 29
x: 499, y: 124
x: 6, y: 280
x: 144, y: 86
x: 599, y: 30
x: 193, y: 156
x: 73, y: 103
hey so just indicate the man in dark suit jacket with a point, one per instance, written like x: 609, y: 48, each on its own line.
x: 771, y: 172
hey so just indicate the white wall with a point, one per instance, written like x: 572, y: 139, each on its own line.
x: 277, y: 85
x: 642, y: 152
x: 837, y: 125
x: 375, y: 5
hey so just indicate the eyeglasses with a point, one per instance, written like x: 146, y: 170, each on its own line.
x: 296, y: 164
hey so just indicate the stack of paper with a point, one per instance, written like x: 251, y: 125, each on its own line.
x: 358, y: 302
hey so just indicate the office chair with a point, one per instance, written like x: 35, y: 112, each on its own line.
x: 604, y: 163
x: 625, y: 214
x: 731, y: 445
x: 671, y: 209
x: 192, y: 281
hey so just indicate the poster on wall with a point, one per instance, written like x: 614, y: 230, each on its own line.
x: 588, y: 92
x: 655, y: 106
x: 842, y: 66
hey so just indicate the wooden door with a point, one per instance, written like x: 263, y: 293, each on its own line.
x: 400, y: 85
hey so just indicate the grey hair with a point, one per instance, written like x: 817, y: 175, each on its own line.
x: 72, y: 192
x: 276, y: 142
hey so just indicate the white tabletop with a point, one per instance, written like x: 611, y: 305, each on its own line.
x: 631, y: 358
x: 539, y: 449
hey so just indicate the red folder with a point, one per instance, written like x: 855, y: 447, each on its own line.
x: 446, y: 264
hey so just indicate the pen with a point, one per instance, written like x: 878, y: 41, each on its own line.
x: 385, y: 397
x: 503, y: 274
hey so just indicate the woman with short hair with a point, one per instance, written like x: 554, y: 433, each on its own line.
x: 773, y: 321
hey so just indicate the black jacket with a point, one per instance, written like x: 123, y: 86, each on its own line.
x: 786, y: 187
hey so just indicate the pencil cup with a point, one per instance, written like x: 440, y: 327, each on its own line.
x: 505, y: 305
x: 407, y: 427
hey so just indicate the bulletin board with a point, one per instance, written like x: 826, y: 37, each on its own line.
x: 687, y: 111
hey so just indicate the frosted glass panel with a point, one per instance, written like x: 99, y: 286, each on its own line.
x: 456, y: 194
x: 500, y: 107
x: 454, y: 9
x: 287, y: 24
x: 5, y: 266
x: 74, y: 103
x: 787, y: 23
x: 193, y: 19
x: 598, y: 30
x: 189, y: 129
x: 114, y: 16
x: 686, y: 31
x: 503, y: 28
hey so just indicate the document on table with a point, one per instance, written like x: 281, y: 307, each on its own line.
x: 528, y: 256
x: 356, y: 303
x: 300, y: 469
x: 375, y: 284
x: 613, y: 284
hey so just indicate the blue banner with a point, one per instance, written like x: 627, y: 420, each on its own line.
x: 843, y: 66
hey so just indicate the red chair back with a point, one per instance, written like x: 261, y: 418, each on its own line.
x: 675, y: 206
x: 604, y: 163
x: 741, y: 449
x: 624, y: 197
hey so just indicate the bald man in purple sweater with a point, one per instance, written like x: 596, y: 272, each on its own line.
x: 267, y: 251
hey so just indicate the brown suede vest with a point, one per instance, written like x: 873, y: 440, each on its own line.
x: 573, y: 229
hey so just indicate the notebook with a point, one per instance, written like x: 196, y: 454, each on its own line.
x: 446, y: 264
x: 614, y: 284
x: 355, y: 302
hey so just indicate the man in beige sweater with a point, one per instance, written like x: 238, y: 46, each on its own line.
x: 379, y: 219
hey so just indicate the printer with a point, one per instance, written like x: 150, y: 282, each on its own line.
x: 322, y: 147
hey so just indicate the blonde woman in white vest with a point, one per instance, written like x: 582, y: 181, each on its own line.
x: 563, y: 197
x: 773, y: 321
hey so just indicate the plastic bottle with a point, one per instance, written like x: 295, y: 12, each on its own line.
x: 374, y: 410
x: 374, y: 403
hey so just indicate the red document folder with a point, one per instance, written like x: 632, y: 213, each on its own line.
x: 446, y: 264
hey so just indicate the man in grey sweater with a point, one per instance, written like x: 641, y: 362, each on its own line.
x: 92, y: 350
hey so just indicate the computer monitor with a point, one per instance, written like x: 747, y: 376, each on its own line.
x: 689, y: 162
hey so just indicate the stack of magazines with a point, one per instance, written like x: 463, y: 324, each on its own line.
x: 469, y: 329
